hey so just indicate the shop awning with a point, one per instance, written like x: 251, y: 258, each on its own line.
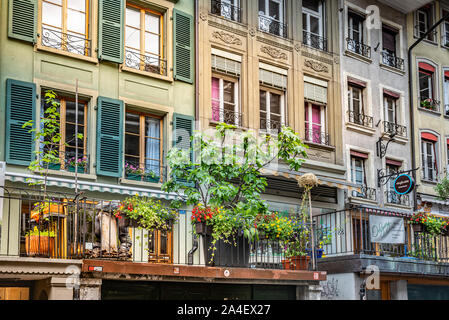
x: 91, y: 186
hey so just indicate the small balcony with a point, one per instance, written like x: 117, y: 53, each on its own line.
x: 358, y: 48
x: 394, y: 128
x: 147, y: 62
x: 429, y: 104
x: 68, y: 161
x: 314, y: 41
x: 270, y: 126
x: 60, y: 226
x: 317, y: 137
x: 365, y: 193
x: 360, y: 119
x: 391, y: 60
x: 227, y: 116
x: 145, y: 172
x: 391, y: 197
x: 273, y: 26
x: 54, y: 38
x: 226, y: 10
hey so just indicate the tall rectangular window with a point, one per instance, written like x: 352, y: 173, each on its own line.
x: 423, y: 21
x: 271, y: 110
x: 389, y: 47
x: 68, y: 146
x: 445, y: 30
x: 313, y: 24
x: 143, y: 147
x: 429, y: 160
x: 229, y: 9
x: 225, y: 100
x: 390, y: 109
x: 355, y: 99
x: 446, y: 92
x: 427, y: 96
x: 315, y: 123
x: 144, y: 40
x: 272, y: 17
x: 65, y: 25
x: 393, y: 167
x: 355, y: 32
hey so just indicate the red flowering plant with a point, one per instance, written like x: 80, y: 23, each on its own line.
x: 201, y: 214
x: 418, y: 218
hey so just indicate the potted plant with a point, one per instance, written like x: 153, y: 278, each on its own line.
x: 417, y: 221
x: 428, y: 104
x: 167, y: 216
x: 126, y: 211
x: 151, y: 176
x: 45, y: 208
x: 39, y: 242
x: 133, y: 172
x: 82, y: 164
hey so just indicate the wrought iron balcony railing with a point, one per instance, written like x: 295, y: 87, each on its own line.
x: 56, y: 39
x: 226, y: 10
x: 148, y: 63
x: 390, y: 59
x: 314, y: 41
x: 392, y: 197
x: 273, y: 26
x: 145, y: 172
x: 394, y: 128
x: 318, y: 137
x: 68, y: 160
x: 366, y: 193
x: 227, y: 116
x: 271, y: 126
x: 429, y: 104
x: 60, y: 226
x: 358, y: 47
x: 360, y: 119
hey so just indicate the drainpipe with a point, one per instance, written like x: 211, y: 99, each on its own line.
x: 197, y: 112
x: 412, y: 118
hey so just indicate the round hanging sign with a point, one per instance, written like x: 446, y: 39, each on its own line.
x: 404, y: 184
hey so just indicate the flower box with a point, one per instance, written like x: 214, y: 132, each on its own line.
x: 152, y: 179
x: 286, y: 264
x: 72, y: 169
x: 134, y: 176
x: 37, y: 245
x: 228, y: 253
x: 299, y: 262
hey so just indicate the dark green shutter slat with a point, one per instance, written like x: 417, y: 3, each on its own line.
x: 110, y: 121
x: 22, y: 20
x: 20, y: 108
x: 183, y: 46
x: 182, y: 133
x: 111, y: 30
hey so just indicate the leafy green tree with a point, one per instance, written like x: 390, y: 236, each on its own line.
x: 442, y: 188
x: 227, y: 172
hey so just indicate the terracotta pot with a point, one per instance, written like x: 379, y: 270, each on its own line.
x: 39, y: 245
x: 286, y: 264
x: 299, y: 262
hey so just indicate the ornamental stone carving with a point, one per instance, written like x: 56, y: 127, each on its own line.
x: 316, y: 66
x: 227, y: 38
x: 273, y: 52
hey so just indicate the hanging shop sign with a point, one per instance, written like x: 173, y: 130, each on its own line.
x: 404, y: 184
x: 387, y: 229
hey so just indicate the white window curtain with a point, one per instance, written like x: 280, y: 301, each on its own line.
x: 152, y: 146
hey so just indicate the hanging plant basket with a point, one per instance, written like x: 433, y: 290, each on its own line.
x: 203, y: 229
x: 418, y: 227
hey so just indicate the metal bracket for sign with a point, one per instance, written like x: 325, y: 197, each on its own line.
x: 383, y: 178
x: 381, y: 147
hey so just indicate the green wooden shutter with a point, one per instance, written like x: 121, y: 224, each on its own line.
x: 110, y: 132
x: 182, y: 133
x: 183, y: 46
x: 111, y: 30
x: 22, y: 20
x: 20, y: 108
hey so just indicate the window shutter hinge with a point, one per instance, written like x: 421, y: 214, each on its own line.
x: 171, y: 18
x: 37, y: 96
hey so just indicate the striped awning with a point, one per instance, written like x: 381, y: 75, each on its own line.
x: 91, y: 186
x: 323, y: 181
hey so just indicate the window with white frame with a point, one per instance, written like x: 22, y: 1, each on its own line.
x: 315, y: 96
x: 313, y: 24
x: 272, y: 17
x: 358, y: 172
x: 423, y: 21
x: 429, y: 157
x: 225, y: 99
x: 355, y: 101
x: 229, y: 9
x: 355, y: 32
x: 225, y: 87
x: 445, y: 40
x: 446, y: 92
x: 271, y: 110
x: 390, y: 109
x: 392, y: 167
x: 427, y: 96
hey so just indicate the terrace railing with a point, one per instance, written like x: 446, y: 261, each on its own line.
x: 73, y: 43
